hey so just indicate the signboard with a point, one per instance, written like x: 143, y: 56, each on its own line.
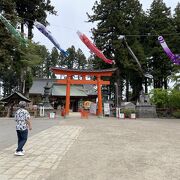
x: 133, y: 116
x: 121, y: 115
x: 106, y: 109
x: 52, y: 115
x: 117, y: 112
x: 93, y: 108
x: 41, y: 111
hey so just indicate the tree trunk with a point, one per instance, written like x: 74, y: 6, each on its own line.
x: 145, y: 86
x: 165, y: 83
x: 22, y: 29
x: 30, y: 27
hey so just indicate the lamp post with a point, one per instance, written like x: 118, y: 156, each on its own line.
x: 46, y: 102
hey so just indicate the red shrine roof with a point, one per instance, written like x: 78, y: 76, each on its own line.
x: 105, y: 72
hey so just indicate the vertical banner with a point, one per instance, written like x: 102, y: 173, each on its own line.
x: 93, y: 108
x: 41, y: 112
x: 117, y: 112
x: 106, y: 109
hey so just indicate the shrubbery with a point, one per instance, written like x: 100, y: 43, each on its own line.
x: 2, y: 108
x: 128, y: 112
x: 167, y: 99
x: 174, y: 99
x: 2, y: 111
x: 176, y: 114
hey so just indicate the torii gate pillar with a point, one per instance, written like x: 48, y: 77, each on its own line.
x: 67, y: 105
x: 100, y: 112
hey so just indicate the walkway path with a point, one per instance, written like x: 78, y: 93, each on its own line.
x: 44, y: 151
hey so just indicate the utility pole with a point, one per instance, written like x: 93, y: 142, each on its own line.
x: 118, y: 93
x: 118, y: 87
x: 0, y: 88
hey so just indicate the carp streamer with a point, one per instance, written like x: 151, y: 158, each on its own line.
x: 175, y: 58
x: 93, y: 48
x: 13, y: 30
x: 147, y: 75
x: 47, y: 33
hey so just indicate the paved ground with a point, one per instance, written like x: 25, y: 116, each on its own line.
x: 8, y: 132
x: 94, y: 149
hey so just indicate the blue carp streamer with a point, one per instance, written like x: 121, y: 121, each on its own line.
x: 48, y: 34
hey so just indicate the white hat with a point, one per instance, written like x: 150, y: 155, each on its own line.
x: 22, y: 104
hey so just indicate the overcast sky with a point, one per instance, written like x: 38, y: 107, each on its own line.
x: 71, y: 17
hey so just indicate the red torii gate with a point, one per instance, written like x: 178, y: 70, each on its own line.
x: 83, y: 73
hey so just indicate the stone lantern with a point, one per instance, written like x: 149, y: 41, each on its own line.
x: 46, y: 103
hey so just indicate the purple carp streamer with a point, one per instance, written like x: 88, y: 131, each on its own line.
x: 47, y: 33
x: 175, y: 58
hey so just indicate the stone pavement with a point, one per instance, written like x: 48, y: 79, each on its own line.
x: 44, y: 151
x: 97, y: 149
x: 128, y: 149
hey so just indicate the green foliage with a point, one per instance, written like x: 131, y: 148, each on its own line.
x: 75, y: 60
x: 174, y: 99
x: 40, y: 70
x: 163, y: 98
x: 30, y: 55
x: 159, y: 97
x: 128, y: 112
x: 125, y: 17
x: 81, y: 60
x: 69, y: 61
x: 113, y: 18
x: 3, y: 111
x: 2, y: 108
x: 159, y: 22
x: 20, y: 64
x: 116, y: 18
x: 176, y: 39
x: 28, y: 80
x: 8, y: 48
x: 29, y: 11
x: 176, y: 114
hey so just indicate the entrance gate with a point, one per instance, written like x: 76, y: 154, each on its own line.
x: 83, y: 74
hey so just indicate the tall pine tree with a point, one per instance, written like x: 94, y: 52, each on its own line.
x: 115, y: 18
x: 159, y: 23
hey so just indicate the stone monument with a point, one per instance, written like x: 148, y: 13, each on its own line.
x: 144, y: 109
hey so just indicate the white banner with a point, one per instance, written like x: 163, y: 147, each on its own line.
x: 41, y: 112
x: 106, y: 109
x: 93, y: 108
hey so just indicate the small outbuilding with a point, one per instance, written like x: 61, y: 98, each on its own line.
x: 12, y: 100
